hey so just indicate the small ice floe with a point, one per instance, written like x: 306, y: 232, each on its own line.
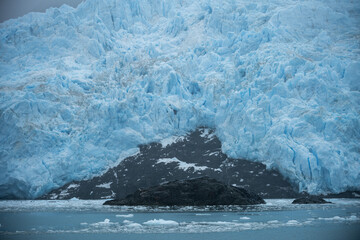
x: 131, y: 224
x: 292, y: 222
x: 105, y: 222
x: 84, y: 223
x: 244, y: 218
x: 74, y: 199
x: 273, y: 222
x: 161, y: 222
x: 125, y: 215
x: 337, y: 218
x: 221, y: 223
x: 203, y: 214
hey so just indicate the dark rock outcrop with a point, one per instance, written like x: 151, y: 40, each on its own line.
x: 193, y: 155
x: 310, y: 200
x: 193, y: 192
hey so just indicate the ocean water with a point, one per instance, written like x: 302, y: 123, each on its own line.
x: 89, y: 219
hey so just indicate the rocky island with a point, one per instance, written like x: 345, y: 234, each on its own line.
x: 310, y: 200
x: 193, y: 192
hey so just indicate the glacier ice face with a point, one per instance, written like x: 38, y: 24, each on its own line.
x: 81, y: 88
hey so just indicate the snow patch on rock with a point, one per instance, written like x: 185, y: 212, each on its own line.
x: 182, y: 165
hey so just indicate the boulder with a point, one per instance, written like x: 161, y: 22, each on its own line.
x: 193, y: 192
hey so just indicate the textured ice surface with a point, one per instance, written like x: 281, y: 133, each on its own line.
x: 279, y: 80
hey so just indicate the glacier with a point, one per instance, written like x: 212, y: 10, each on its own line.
x: 81, y: 88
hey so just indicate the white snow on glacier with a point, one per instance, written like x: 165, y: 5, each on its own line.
x: 278, y: 80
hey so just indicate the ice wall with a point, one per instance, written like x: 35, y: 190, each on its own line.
x: 279, y: 80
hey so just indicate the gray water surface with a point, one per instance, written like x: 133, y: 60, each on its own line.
x: 89, y: 219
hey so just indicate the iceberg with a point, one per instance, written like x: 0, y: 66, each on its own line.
x: 81, y: 88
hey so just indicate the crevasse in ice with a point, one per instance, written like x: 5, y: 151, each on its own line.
x: 278, y: 80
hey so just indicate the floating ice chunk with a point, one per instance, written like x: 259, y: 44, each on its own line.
x: 156, y: 222
x: 244, y: 218
x: 125, y: 216
x: 353, y: 218
x: 337, y: 218
x: 218, y: 223
x: 292, y: 222
x: 273, y: 222
x: 132, y: 224
x: 105, y: 222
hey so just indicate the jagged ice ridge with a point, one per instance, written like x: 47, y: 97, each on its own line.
x: 278, y: 80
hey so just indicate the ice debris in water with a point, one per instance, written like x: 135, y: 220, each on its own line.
x: 132, y: 224
x: 293, y: 222
x: 106, y: 221
x: 161, y: 222
x: 125, y: 215
x: 81, y: 88
x: 337, y: 218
